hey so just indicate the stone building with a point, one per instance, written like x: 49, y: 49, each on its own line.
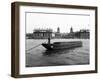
x: 83, y: 34
x: 46, y: 33
x: 71, y: 34
x: 58, y: 34
x: 29, y: 36
x: 42, y: 33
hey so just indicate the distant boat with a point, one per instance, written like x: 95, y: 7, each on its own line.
x: 61, y: 45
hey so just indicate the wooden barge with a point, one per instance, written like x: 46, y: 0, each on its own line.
x: 62, y: 45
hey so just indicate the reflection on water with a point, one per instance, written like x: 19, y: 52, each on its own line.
x: 39, y: 56
x: 56, y: 52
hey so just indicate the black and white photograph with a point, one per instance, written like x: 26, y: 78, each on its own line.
x: 54, y: 39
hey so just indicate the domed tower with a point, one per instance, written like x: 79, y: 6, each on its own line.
x: 71, y: 30
x: 58, y: 30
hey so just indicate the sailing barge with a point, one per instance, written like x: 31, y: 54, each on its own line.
x: 61, y: 45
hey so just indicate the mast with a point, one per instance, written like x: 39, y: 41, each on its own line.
x: 49, y: 39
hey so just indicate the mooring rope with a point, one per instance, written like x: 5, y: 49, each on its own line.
x: 35, y: 46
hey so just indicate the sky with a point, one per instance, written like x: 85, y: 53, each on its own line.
x: 53, y: 21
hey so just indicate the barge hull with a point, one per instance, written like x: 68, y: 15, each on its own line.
x: 62, y: 45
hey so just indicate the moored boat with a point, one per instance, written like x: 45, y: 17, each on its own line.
x: 61, y: 45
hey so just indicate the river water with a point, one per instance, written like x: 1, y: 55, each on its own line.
x: 39, y: 56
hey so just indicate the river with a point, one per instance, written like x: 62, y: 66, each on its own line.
x: 39, y: 56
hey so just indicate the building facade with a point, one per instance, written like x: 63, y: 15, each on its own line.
x: 29, y: 36
x: 48, y: 33
x: 83, y: 34
x: 58, y: 34
x: 42, y: 33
